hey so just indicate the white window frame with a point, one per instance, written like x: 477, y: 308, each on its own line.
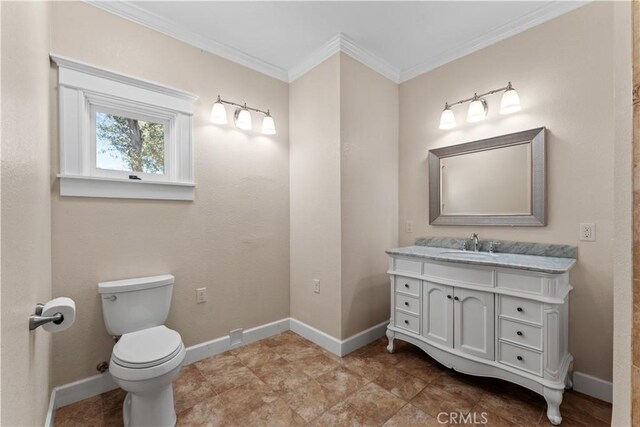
x: 85, y: 89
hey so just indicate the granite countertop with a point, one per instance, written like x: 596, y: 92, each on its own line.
x: 545, y: 264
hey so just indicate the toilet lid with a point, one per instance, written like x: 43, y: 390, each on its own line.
x: 148, y: 347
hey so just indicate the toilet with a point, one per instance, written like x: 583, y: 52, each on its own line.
x: 148, y: 356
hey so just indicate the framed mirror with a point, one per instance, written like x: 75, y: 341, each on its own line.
x: 494, y: 181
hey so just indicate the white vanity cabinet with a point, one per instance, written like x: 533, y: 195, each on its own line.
x: 487, y: 320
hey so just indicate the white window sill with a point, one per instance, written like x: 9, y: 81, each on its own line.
x: 84, y: 186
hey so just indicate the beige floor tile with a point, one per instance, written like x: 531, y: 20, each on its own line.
x: 433, y: 400
x: 113, y: 418
x: 190, y: 387
x: 410, y: 416
x: 375, y: 403
x: 517, y: 409
x: 399, y: 383
x: 581, y: 407
x: 281, y: 376
x: 256, y: 354
x: 230, y: 377
x: 113, y: 399
x: 310, y: 399
x: 364, y: 367
x: 316, y: 365
x: 217, y: 363
x: 274, y: 414
x: 87, y: 412
x: 342, y: 415
x: 342, y: 382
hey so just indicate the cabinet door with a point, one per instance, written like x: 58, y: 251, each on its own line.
x: 437, y: 313
x: 474, y: 323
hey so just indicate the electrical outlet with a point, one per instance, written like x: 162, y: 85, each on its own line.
x: 316, y: 286
x: 587, y: 231
x: 201, y: 295
x: 408, y: 227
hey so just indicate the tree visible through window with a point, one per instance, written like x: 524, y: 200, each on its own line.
x: 126, y: 144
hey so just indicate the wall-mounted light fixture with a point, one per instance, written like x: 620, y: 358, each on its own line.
x: 241, y: 116
x: 478, y: 106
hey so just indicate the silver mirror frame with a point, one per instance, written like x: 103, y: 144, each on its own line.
x: 538, y: 217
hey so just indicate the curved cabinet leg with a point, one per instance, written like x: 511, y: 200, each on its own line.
x: 568, y: 382
x: 554, y: 399
x: 390, y: 336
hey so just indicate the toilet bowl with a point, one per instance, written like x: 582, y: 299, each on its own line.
x: 148, y: 356
x: 145, y: 363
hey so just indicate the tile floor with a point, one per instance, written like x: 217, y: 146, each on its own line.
x: 286, y: 380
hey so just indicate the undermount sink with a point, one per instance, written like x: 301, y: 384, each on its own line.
x: 467, y: 254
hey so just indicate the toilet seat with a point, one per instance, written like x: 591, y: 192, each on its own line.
x: 147, y: 354
x: 147, y: 348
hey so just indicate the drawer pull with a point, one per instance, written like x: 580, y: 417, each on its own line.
x: 449, y: 296
x: 406, y: 303
x: 519, y: 333
x: 519, y: 358
x: 406, y: 322
x: 406, y: 285
x: 520, y: 309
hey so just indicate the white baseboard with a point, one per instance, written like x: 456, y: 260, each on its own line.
x: 334, y: 345
x: 316, y: 336
x: 592, y: 386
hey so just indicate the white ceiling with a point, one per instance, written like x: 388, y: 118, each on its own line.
x: 400, y: 39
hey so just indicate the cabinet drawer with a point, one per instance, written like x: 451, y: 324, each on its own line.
x: 522, y: 309
x: 408, y: 265
x: 408, y: 286
x: 520, y: 358
x: 407, y: 321
x: 520, y: 333
x: 407, y: 303
x: 519, y: 282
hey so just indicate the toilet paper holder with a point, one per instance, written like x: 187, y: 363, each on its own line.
x: 36, y: 320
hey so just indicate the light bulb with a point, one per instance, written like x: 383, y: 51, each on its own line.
x: 447, y: 119
x: 477, y: 110
x: 268, y: 125
x: 218, y: 113
x: 510, y: 101
x: 243, y: 118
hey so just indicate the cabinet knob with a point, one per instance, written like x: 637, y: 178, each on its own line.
x: 406, y: 285
x: 520, y: 309
x: 406, y: 303
x: 406, y: 322
x: 456, y: 298
x: 519, y: 333
x: 519, y: 358
x: 449, y: 296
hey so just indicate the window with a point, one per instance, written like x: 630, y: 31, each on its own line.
x: 123, y: 137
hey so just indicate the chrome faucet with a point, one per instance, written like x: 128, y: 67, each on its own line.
x: 476, y: 242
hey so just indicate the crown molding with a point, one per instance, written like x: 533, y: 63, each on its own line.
x: 131, y: 12
x: 345, y: 44
x: 529, y: 20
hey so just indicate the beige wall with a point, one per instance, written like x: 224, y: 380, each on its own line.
x: 314, y: 103
x: 25, y: 210
x: 369, y: 192
x: 564, y: 73
x: 233, y: 239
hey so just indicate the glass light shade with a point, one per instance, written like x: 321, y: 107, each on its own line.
x: 218, y: 113
x: 243, y: 118
x: 268, y: 125
x: 510, y: 102
x: 477, y: 111
x: 447, y: 119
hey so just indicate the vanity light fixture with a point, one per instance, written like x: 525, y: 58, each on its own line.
x: 241, y: 116
x: 478, y: 108
x: 218, y: 113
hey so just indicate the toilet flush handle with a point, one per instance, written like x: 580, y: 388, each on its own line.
x: 111, y: 297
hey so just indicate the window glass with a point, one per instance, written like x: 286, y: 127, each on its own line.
x: 128, y: 144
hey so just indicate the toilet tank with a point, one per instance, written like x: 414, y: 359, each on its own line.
x: 133, y: 304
